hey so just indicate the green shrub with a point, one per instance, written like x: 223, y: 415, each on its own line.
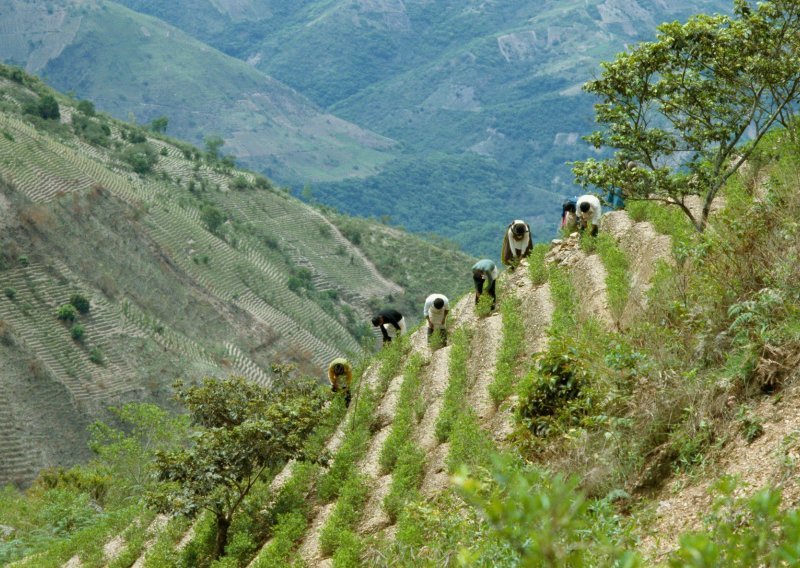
x: 86, y: 107
x: 96, y: 355
x: 77, y: 331
x: 141, y: 157
x: 10, y: 293
x: 80, y: 302
x: 753, y: 531
x: 67, y: 312
x: 557, y: 388
x: 544, y: 520
x: 45, y: 107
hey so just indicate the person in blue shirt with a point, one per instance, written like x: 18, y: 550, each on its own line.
x: 484, y: 274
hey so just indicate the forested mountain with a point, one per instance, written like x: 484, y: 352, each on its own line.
x: 484, y: 96
x: 139, y: 68
x: 130, y: 259
x: 482, y: 99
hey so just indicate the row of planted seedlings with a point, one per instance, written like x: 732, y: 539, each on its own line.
x: 313, y: 486
x: 431, y: 531
x: 273, y: 520
x: 399, y: 456
x: 434, y: 533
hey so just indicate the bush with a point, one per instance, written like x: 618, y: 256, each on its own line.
x: 46, y: 107
x: 96, y: 356
x: 554, y: 388
x: 86, y: 107
x: 67, y: 312
x: 755, y: 531
x: 212, y: 218
x: 77, y: 331
x: 10, y: 293
x: 80, y: 302
x: 141, y: 157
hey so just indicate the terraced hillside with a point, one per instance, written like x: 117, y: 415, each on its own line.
x: 191, y: 268
x: 413, y: 420
x: 412, y: 481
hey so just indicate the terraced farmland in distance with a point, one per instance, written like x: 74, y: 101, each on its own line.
x: 192, y: 268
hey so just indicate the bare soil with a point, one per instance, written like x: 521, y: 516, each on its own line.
x: 771, y: 460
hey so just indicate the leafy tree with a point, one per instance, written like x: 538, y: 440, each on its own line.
x: 678, y: 109
x: 243, y: 430
x: 213, y: 145
x: 212, y: 217
x: 127, y: 452
x: 159, y: 124
x: 48, y: 108
x: 81, y: 303
x: 86, y: 107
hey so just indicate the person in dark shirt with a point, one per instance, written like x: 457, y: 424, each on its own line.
x: 391, y: 323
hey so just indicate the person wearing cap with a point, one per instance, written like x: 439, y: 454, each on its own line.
x: 588, y: 211
x: 391, y: 323
x: 435, y: 312
x: 340, y: 373
x: 516, y: 243
x: 484, y: 272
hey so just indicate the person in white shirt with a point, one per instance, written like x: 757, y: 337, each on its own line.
x: 516, y: 243
x: 588, y: 212
x: 436, y: 309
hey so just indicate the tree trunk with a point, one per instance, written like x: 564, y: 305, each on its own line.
x: 223, y: 524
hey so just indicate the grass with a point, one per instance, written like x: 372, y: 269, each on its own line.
x: 352, y: 449
x: 453, y: 398
x: 406, y: 479
x: 84, y: 541
x: 667, y: 221
x: 513, y: 343
x: 134, y: 537
x: 410, y: 393
x: 615, y: 261
x: 563, y: 296
x: 537, y: 268
x: 163, y: 554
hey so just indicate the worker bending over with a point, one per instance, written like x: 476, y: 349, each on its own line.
x: 340, y: 373
x: 435, y: 311
x: 484, y: 272
x: 588, y: 211
x: 516, y: 243
x: 391, y: 323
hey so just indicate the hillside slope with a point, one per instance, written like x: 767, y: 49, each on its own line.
x: 190, y: 269
x: 602, y: 364
x: 132, y: 65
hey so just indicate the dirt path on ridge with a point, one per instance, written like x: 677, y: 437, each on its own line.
x: 644, y: 248
x: 588, y: 276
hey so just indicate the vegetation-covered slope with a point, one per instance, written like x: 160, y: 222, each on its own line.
x: 133, y: 65
x: 190, y: 268
x: 620, y: 381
